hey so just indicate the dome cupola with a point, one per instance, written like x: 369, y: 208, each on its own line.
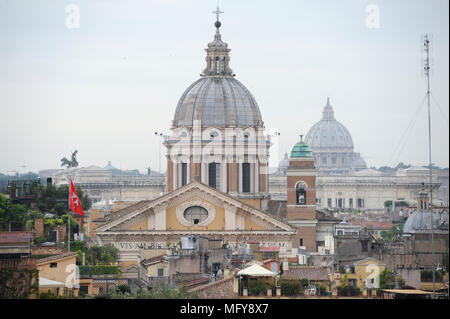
x: 301, y: 149
x: 217, y: 99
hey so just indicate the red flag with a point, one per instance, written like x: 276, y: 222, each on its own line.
x: 74, y: 200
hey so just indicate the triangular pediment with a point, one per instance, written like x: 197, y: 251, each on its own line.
x: 225, y: 213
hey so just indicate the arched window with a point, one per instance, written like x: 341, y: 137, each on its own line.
x: 217, y: 65
x: 300, y: 191
x: 195, y: 214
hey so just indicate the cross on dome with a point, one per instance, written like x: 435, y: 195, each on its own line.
x: 217, y: 13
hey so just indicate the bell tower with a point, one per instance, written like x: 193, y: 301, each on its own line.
x: 301, y: 195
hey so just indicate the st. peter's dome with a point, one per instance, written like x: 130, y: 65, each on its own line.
x: 329, y: 133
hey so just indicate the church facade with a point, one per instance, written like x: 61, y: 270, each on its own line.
x: 217, y: 174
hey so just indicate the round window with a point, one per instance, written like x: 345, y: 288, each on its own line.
x: 195, y: 214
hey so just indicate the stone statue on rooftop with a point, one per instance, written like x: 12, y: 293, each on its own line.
x: 72, y: 163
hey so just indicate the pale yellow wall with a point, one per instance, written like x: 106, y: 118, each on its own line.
x: 125, y: 264
x: 152, y: 270
x: 140, y: 226
x: 252, y: 202
x: 252, y: 225
x: 362, y: 272
x: 59, y: 272
x: 217, y: 224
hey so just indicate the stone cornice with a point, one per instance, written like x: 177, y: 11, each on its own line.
x: 194, y: 232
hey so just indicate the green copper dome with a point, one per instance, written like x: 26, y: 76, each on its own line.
x: 301, y: 149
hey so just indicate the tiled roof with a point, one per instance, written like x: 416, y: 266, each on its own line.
x: 15, y: 237
x: 310, y: 273
x: 56, y: 257
x: 153, y: 259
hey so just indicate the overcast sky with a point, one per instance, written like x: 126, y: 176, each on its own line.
x: 105, y: 88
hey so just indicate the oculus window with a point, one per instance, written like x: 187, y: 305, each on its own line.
x: 195, y: 214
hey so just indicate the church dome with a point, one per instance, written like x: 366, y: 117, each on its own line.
x: 220, y: 101
x: 217, y: 98
x: 301, y: 149
x: 420, y: 221
x: 329, y: 133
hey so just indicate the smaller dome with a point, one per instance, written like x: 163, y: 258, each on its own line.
x: 420, y: 221
x: 301, y: 149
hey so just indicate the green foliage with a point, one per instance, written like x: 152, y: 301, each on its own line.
x: 67, y: 294
x: 29, y: 225
x: 102, y: 255
x: 349, y: 291
x: 54, y: 200
x: 98, y: 270
x: 392, y: 234
x: 445, y: 262
x: 388, y: 279
x: 40, y: 240
x: 291, y: 287
x: 18, y: 283
x: 304, y: 282
x: 401, y: 203
x: 344, y: 282
x: 11, y: 214
x: 163, y: 291
x: 123, y: 289
x: 322, y: 290
x: 257, y: 287
x: 427, y: 275
x: 77, y: 245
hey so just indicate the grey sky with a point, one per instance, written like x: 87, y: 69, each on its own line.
x: 106, y: 87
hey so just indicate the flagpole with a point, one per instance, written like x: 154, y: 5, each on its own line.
x: 68, y: 220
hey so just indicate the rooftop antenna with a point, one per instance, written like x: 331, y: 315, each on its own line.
x: 426, y: 46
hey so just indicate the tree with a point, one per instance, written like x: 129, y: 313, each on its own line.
x: 102, y: 255
x: 54, y: 200
x: 11, y: 215
x: 392, y: 234
x: 388, y: 279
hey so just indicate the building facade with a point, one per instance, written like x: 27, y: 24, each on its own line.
x: 217, y: 185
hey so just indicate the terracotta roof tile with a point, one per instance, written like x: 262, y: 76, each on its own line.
x: 15, y: 237
x: 56, y: 257
x: 310, y: 273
